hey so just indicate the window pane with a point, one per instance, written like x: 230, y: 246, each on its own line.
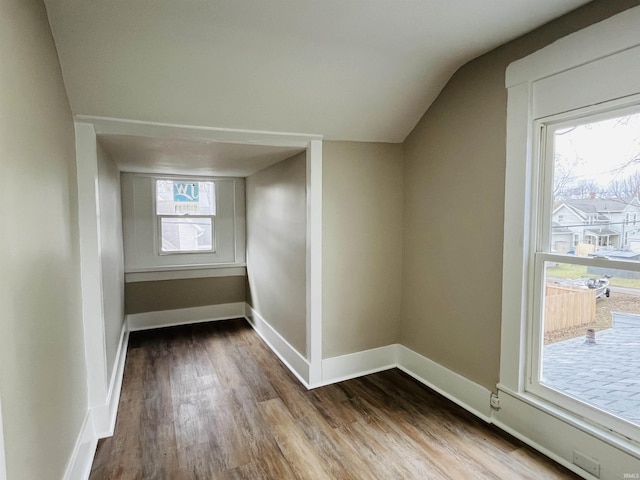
x: 591, y: 325
x: 186, y: 234
x: 596, y: 188
x: 182, y: 197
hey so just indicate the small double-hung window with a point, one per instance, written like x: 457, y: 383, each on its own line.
x: 185, y: 216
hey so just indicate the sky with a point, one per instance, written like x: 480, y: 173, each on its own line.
x: 600, y: 150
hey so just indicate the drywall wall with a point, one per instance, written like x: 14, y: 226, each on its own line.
x: 361, y: 245
x: 111, y: 254
x: 158, y: 295
x: 276, y: 247
x: 42, y: 364
x: 453, y: 208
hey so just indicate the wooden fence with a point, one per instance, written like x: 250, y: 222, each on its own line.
x: 566, y: 307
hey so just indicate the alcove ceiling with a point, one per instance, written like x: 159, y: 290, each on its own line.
x: 343, y: 69
x: 191, y: 157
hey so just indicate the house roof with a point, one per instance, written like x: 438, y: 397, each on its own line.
x: 599, y: 205
x: 602, y: 232
x: 619, y: 254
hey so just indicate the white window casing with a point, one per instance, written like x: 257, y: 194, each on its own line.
x: 592, y: 70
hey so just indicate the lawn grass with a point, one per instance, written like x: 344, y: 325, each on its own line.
x: 565, y: 270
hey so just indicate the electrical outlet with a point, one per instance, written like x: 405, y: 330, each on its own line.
x: 586, y: 463
x: 495, y: 401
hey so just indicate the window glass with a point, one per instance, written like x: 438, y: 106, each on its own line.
x: 186, y: 211
x: 596, y: 185
x: 183, y: 234
x: 177, y: 197
x: 591, y: 336
x: 588, y: 320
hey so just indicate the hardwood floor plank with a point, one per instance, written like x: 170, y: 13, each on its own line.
x: 474, y: 444
x: 333, y: 405
x: 421, y: 451
x: 249, y: 368
x: 265, y: 452
x: 211, y: 401
x: 216, y: 346
x: 370, y: 444
x: 228, y: 430
x: 298, y: 451
x: 339, y: 458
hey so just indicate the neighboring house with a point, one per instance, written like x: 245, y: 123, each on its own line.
x: 605, y: 223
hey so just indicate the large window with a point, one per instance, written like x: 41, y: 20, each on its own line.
x: 185, y: 211
x: 585, y: 314
x: 570, y: 354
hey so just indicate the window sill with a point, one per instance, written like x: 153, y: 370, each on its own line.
x: 624, y: 444
x: 178, y: 272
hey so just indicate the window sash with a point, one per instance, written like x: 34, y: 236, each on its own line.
x: 184, y: 180
x: 159, y: 219
x: 541, y: 234
x: 532, y: 384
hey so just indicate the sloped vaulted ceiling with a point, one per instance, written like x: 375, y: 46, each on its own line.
x: 362, y: 70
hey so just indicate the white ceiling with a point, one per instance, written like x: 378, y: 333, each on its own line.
x: 362, y: 70
x: 191, y: 157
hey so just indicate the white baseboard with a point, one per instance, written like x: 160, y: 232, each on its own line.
x: 79, y: 466
x: 184, y: 316
x: 556, y: 434
x: 104, y: 416
x: 3, y: 466
x: 353, y: 365
x: 295, y: 362
x: 544, y: 451
x: 460, y: 390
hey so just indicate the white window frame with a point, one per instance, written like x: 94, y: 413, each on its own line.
x: 596, y: 65
x: 160, y: 216
x: 540, y: 252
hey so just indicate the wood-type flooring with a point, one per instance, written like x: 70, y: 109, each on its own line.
x: 211, y: 401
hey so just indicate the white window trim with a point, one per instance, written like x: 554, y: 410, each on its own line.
x: 617, y: 36
x: 191, y: 271
x: 160, y: 216
x: 141, y: 230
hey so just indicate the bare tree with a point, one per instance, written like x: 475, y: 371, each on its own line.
x: 584, y: 189
x: 627, y: 187
x: 562, y: 179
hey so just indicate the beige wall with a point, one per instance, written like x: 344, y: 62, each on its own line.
x: 276, y: 247
x: 42, y: 365
x: 361, y: 245
x: 155, y: 296
x: 453, y: 208
x: 111, y: 253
